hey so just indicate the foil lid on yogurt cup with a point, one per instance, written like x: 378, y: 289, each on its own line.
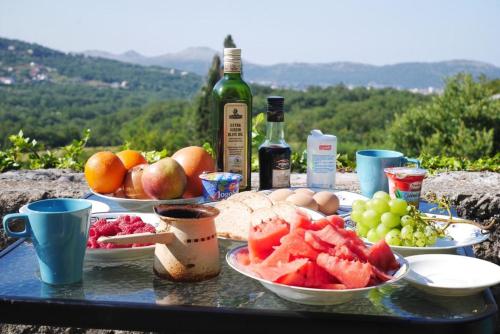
x: 402, y: 172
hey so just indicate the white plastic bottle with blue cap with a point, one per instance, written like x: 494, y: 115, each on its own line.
x: 321, y: 160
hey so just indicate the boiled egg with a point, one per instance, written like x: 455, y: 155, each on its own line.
x: 303, y: 200
x: 327, y: 201
x: 280, y: 195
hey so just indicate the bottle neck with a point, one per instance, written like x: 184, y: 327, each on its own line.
x: 232, y: 66
x: 275, y: 132
x: 232, y: 75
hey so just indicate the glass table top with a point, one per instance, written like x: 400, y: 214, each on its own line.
x: 134, y: 281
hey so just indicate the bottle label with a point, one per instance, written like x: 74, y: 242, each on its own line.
x: 231, y: 66
x: 236, y: 140
x: 281, y: 173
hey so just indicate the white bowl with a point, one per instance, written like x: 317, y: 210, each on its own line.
x: 114, y: 255
x: 451, y: 275
x: 146, y: 205
x: 311, y: 296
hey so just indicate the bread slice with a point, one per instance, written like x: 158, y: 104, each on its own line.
x: 263, y: 214
x: 241, y: 196
x: 285, y: 210
x: 234, y: 220
x: 253, y: 199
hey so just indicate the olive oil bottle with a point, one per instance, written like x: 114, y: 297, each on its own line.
x: 232, y: 120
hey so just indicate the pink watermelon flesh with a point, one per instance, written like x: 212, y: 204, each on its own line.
x: 380, y: 255
x: 300, y: 220
x: 380, y: 275
x: 343, y: 252
x: 272, y: 273
x: 336, y: 221
x: 316, y: 242
x: 353, y: 274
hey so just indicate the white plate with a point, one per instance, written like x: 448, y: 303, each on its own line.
x: 111, y: 255
x: 311, y: 296
x: 96, y: 207
x: 146, y: 205
x: 457, y: 236
x: 451, y: 275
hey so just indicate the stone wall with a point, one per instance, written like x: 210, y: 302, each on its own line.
x: 476, y: 196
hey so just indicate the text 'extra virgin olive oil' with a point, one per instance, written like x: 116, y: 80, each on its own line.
x: 232, y: 120
x: 274, y: 153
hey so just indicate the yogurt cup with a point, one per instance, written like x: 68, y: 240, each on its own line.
x: 218, y: 185
x: 405, y: 183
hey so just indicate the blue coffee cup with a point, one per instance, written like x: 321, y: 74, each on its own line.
x: 370, y: 166
x: 59, y: 230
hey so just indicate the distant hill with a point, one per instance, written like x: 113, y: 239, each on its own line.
x: 26, y: 63
x: 53, y: 96
x: 196, y: 60
x: 417, y: 75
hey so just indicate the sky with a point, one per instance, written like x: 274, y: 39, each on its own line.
x: 271, y: 31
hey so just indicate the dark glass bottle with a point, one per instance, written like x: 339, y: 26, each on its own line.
x: 274, y: 153
x: 232, y: 120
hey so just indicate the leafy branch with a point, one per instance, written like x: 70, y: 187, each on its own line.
x: 444, y: 203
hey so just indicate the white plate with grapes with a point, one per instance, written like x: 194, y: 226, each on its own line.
x: 408, y: 231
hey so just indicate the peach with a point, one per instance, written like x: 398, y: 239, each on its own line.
x: 133, y: 183
x: 165, y: 179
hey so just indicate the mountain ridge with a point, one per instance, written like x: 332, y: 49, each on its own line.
x: 417, y: 75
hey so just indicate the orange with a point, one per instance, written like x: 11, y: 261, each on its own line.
x: 104, y: 172
x: 131, y: 158
x: 194, y: 160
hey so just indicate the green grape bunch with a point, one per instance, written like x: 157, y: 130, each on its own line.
x: 394, y: 220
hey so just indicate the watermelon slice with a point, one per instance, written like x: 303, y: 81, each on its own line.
x: 315, y: 276
x: 310, y: 275
x: 272, y: 273
x: 292, y: 246
x: 353, y: 274
x: 336, y: 221
x: 331, y: 235
x: 338, y: 237
x: 319, y: 224
x: 315, y: 242
x: 297, y: 246
x: 300, y: 220
x: 264, y: 237
x: 343, y: 252
x: 380, y: 275
x: 297, y: 278
x: 380, y: 255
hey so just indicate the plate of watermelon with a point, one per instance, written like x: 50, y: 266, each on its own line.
x: 315, y: 262
x: 119, y: 223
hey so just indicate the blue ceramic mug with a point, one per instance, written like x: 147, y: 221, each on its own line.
x: 59, y: 230
x: 370, y: 166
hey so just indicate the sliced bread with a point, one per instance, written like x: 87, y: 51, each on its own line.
x: 234, y: 220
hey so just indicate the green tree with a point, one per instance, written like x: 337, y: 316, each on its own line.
x: 228, y: 42
x: 203, y: 105
x: 204, y: 98
x: 463, y: 122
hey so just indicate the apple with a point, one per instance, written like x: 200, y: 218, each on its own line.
x: 165, y: 179
x: 133, y: 183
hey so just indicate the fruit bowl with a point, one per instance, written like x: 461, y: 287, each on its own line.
x: 104, y: 256
x: 311, y: 296
x: 145, y: 205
